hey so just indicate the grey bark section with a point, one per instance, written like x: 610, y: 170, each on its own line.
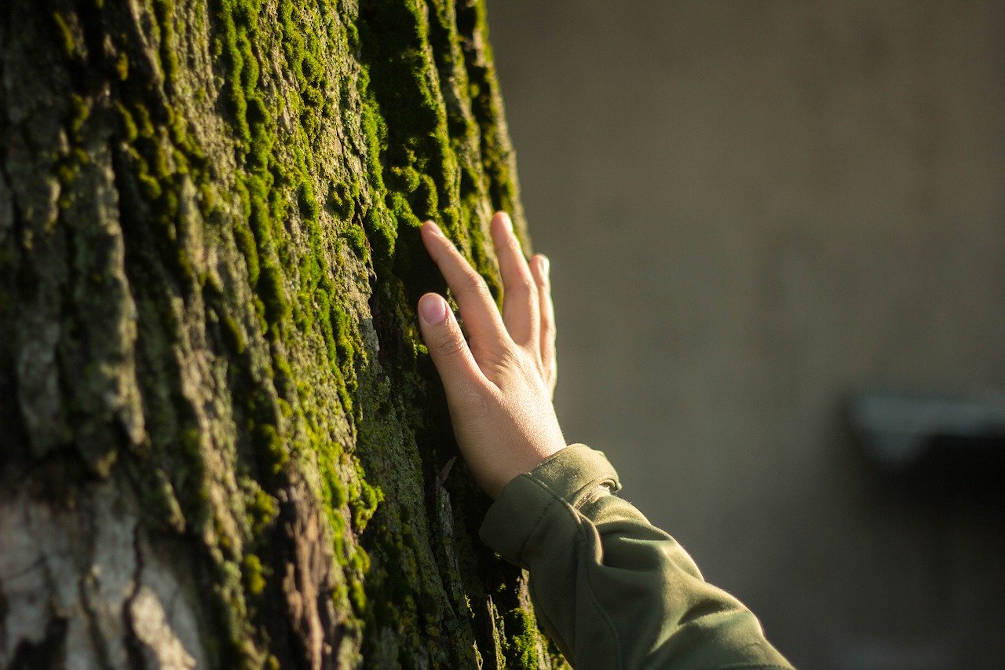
x: 223, y: 442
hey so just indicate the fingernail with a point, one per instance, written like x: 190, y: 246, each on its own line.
x: 545, y: 265
x: 506, y: 220
x: 435, y: 228
x: 432, y: 309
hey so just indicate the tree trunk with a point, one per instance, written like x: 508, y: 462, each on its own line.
x: 223, y: 442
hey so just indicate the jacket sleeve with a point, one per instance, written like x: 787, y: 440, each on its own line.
x: 611, y: 589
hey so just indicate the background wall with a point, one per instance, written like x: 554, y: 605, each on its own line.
x: 753, y: 210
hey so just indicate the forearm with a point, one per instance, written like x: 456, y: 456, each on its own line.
x: 613, y: 590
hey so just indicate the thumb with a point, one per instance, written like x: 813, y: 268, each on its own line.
x: 447, y: 347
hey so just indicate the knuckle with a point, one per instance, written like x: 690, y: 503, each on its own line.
x: 450, y: 343
x: 509, y: 356
x: 503, y: 361
x: 522, y: 283
x: 474, y: 284
x: 525, y: 364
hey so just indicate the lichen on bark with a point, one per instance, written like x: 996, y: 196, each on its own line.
x: 224, y: 443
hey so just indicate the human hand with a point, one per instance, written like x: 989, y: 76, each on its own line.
x: 498, y: 386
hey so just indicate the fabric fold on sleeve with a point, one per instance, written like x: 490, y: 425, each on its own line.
x: 569, y: 475
x: 611, y: 589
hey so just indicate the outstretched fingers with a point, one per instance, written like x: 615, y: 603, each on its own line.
x: 520, y: 297
x: 481, y: 318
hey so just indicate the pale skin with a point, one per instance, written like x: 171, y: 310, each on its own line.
x: 499, y: 382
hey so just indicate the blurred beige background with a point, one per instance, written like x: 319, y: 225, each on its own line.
x: 753, y: 210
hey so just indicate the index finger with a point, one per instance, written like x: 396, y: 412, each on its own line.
x: 477, y: 307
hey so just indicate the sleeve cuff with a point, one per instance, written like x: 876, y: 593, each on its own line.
x: 570, y: 477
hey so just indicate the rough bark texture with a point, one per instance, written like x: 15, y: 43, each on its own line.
x: 223, y: 443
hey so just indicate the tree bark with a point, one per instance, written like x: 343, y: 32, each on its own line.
x: 223, y: 442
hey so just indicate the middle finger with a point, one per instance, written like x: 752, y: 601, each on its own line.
x: 520, y: 301
x: 481, y: 318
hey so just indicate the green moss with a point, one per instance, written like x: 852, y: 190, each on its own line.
x: 81, y: 111
x: 365, y: 503
x: 164, y: 11
x: 163, y: 504
x: 341, y: 201
x: 253, y: 573
x: 272, y: 452
x: 127, y: 125
x: 245, y: 242
x: 380, y: 228
x: 285, y: 385
x: 249, y: 70
x: 234, y: 334
x: 343, y: 335
x: 357, y: 596
x: 423, y: 200
x: 375, y: 135
x: 313, y: 97
x: 122, y: 66
x: 333, y: 491
x: 321, y: 303
x: 262, y: 510
x: 338, y: 494
x: 71, y: 36
x: 259, y: 120
x: 307, y: 202
x: 406, y: 178
x: 144, y: 122
x: 207, y: 201
x: 311, y: 69
x: 357, y: 241
x: 273, y: 294
x: 520, y: 643
x: 260, y: 219
x: 183, y: 262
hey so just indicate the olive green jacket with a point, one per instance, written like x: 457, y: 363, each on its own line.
x: 612, y: 590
